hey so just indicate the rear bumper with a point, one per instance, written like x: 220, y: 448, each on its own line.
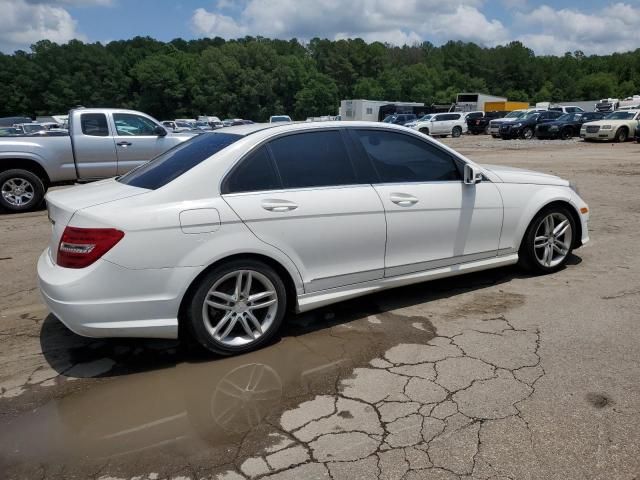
x: 107, y: 300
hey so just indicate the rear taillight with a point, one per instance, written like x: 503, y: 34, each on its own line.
x: 80, y: 247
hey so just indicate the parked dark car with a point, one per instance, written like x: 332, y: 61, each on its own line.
x: 401, y: 118
x: 480, y: 124
x: 525, y: 126
x: 566, y: 126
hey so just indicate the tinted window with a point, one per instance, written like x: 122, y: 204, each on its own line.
x: 253, y: 174
x: 312, y: 159
x: 475, y: 115
x: 404, y: 158
x: 128, y: 124
x: 439, y: 118
x: 173, y: 163
x: 94, y: 124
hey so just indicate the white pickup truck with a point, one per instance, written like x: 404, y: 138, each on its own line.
x: 102, y: 143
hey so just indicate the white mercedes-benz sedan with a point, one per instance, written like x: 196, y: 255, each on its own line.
x: 227, y: 232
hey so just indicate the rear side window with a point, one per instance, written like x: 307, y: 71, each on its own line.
x: 94, y: 124
x: 312, y: 159
x: 403, y: 158
x: 255, y: 173
x: 180, y: 159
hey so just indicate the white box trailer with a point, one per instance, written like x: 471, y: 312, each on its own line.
x: 471, y: 102
x: 368, y: 110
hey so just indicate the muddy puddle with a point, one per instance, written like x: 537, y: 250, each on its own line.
x: 191, y: 410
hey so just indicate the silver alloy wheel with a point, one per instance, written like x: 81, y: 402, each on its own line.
x: 17, y: 191
x: 527, y: 134
x: 240, y: 307
x: 552, y: 240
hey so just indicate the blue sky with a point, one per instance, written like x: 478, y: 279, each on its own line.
x: 547, y: 27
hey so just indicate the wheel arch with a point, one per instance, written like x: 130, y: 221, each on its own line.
x: 27, y: 164
x: 577, y: 242
x: 285, y: 274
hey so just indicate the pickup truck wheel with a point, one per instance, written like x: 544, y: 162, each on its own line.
x: 20, y: 190
x: 621, y: 135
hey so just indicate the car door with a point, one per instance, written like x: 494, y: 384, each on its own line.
x: 135, y: 140
x: 439, y: 124
x: 433, y: 218
x: 319, y: 209
x: 93, y: 149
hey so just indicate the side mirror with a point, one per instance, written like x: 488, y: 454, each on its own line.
x: 471, y: 175
x: 159, y: 131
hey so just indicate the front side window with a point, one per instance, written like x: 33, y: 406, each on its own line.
x: 404, y: 158
x: 180, y: 159
x: 94, y: 124
x: 129, y: 124
x: 312, y: 159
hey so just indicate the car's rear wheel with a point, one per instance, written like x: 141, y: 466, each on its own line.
x: 527, y: 133
x: 566, y: 134
x: 548, y: 241
x: 20, y: 190
x: 237, y: 307
x: 621, y: 135
x: 456, y: 132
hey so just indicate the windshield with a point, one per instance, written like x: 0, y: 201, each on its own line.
x: 280, y: 118
x: 33, y: 128
x: 515, y: 114
x: 620, y: 116
x: 180, y: 159
x: 424, y: 118
x: 390, y: 118
x: 569, y: 117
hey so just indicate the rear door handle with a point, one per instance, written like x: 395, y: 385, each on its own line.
x: 278, y: 205
x: 403, y: 199
x: 124, y: 144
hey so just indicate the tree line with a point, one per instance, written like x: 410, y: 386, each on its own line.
x: 258, y: 77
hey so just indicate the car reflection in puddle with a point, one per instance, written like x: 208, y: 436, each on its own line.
x: 206, y: 409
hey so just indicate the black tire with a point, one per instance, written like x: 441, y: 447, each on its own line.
x: 621, y: 135
x: 486, y: 130
x: 566, y: 134
x: 527, y: 255
x: 527, y: 133
x: 26, y: 180
x: 194, y: 311
x: 475, y: 132
x: 456, y: 132
x: 424, y: 130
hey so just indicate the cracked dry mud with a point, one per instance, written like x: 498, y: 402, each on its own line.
x: 417, y: 411
x: 491, y: 376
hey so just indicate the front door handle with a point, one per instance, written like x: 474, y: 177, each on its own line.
x: 403, y: 199
x: 124, y: 144
x: 278, y: 205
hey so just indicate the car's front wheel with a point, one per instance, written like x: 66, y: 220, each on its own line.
x: 566, y: 134
x: 548, y: 240
x: 237, y: 307
x: 424, y: 130
x: 621, y: 135
x: 527, y: 133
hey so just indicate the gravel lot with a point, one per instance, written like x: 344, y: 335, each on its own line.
x: 493, y: 375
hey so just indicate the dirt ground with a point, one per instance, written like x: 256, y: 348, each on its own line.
x: 493, y: 375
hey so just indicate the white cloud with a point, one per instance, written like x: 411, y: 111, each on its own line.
x: 398, y: 22
x: 614, y: 28
x: 23, y: 23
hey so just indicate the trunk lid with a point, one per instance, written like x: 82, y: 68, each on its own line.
x: 64, y: 203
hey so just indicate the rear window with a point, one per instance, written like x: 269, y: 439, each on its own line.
x: 180, y: 159
x: 94, y: 124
